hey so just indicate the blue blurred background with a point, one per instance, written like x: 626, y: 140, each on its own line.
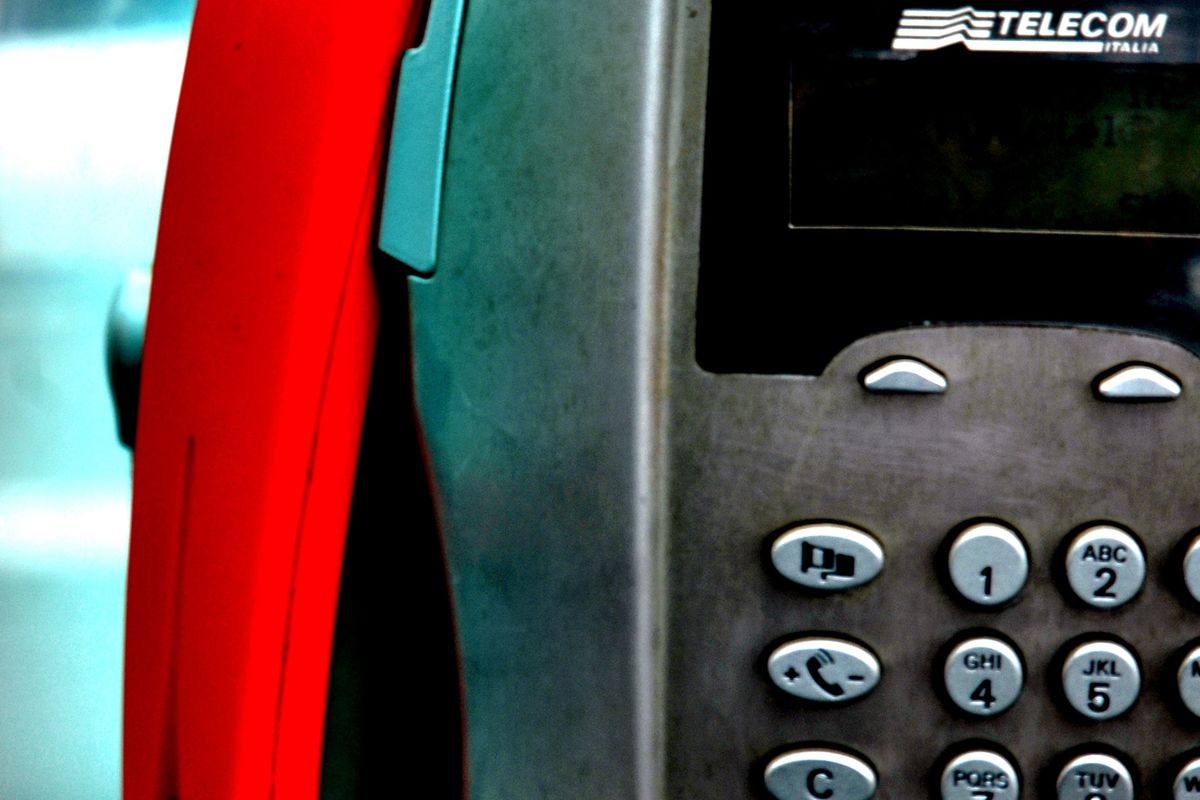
x: 88, y: 90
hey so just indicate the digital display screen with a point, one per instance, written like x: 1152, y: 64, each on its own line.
x: 875, y: 166
x: 956, y: 139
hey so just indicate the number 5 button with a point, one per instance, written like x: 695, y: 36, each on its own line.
x: 988, y: 563
x: 1101, y: 679
x: 1105, y: 566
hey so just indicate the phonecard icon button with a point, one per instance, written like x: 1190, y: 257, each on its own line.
x: 830, y: 556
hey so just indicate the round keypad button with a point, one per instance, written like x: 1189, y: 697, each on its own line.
x: 1187, y: 678
x: 1191, y: 568
x: 1187, y: 782
x: 1095, y: 776
x: 988, y: 563
x: 1105, y: 566
x: 983, y: 675
x: 980, y: 773
x: 1101, y: 679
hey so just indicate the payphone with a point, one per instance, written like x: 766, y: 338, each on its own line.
x: 808, y: 397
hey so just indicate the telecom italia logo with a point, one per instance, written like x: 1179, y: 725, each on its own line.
x: 1085, y: 32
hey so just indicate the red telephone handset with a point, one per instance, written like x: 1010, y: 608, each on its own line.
x: 258, y: 354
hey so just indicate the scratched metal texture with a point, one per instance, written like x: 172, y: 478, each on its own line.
x: 531, y: 383
x: 1018, y: 436
x: 530, y: 367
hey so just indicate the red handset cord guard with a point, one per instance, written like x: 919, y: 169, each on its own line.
x: 258, y: 356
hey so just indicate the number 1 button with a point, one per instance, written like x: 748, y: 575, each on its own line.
x: 988, y: 563
x: 1105, y: 566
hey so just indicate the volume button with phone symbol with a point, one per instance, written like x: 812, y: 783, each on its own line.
x: 820, y: 773
x: 828, y: 556
x: 824, y: 669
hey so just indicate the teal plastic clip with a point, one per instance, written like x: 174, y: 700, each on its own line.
x: 412, y: 195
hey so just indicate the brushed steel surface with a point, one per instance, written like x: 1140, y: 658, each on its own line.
x: 753, y: 453
x: 608, y: 506
x: 537, y: 383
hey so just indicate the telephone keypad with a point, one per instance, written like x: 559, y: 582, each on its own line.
x: 988, y: 563
x: 1101, y: 679
x: 1105, y: 566
x: 1095, y: 776
x: 983, y: 676
x: 980, y: 773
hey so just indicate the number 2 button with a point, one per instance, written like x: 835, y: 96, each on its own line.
x: 1105, y: 566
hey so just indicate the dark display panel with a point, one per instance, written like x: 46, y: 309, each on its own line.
x: 850, y: 188
x: 956, y: 139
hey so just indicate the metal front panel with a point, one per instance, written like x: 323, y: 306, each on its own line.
x: 608, y: 505
x: 1019, y: 437
x: 533, y: 381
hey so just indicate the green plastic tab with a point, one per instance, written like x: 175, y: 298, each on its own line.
x: 412, y: 195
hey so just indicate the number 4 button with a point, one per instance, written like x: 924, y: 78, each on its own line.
x: 984, y: 675
x: 1105, y: 565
